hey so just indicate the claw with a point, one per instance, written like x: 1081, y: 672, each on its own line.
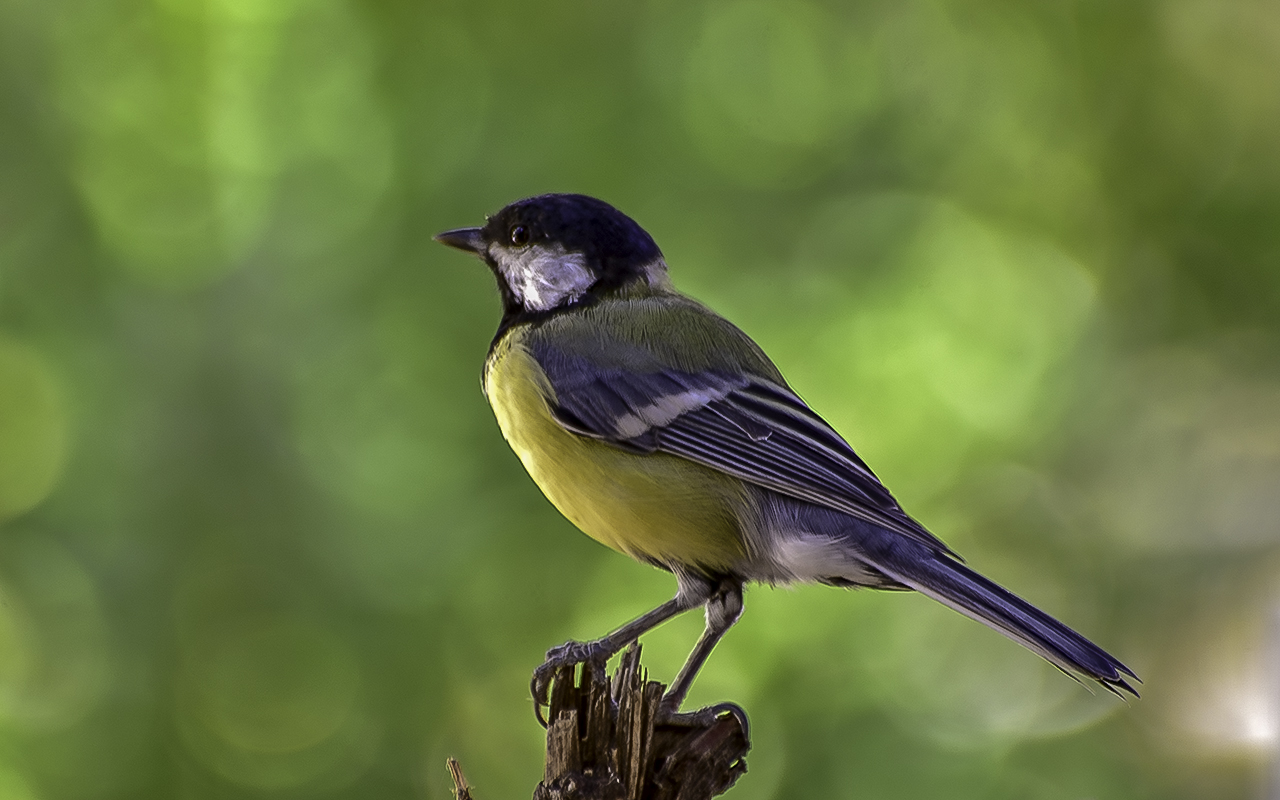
x: 594, y: 654
x: 540, y: 688
x: 703, y: 717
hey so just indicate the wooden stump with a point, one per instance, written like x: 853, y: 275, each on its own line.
x: 603, y: 744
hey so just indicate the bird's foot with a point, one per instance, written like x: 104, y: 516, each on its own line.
x: 593, y: 655
x: 669, y: 713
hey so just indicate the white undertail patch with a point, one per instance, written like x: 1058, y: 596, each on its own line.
x: 808, y: 557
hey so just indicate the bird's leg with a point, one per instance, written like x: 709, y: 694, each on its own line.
x: 692, y: 593
x: 723, y: 610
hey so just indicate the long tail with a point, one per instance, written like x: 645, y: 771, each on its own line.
x: 955, y: 585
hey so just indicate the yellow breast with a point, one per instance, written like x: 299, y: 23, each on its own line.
x: 655, y: 507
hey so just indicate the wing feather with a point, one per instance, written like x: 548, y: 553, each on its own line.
x: 748, y: 426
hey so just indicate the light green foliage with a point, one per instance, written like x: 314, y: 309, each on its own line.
x: 259, y: 533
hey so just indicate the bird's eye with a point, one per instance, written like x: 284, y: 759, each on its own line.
x: 519, y: 236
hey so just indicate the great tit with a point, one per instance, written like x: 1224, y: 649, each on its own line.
x: 661, y: 430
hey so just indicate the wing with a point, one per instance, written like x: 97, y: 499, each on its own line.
x: 747, y: 425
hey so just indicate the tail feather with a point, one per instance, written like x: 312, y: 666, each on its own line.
x: 964, y: 590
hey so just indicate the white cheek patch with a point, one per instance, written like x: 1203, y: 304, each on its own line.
x: 545, y: 277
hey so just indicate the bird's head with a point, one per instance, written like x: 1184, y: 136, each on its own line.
x: 556, y: 250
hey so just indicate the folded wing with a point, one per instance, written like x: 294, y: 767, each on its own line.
x: 747, y: 426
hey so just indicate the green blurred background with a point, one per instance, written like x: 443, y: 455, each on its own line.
x: 260, y: 536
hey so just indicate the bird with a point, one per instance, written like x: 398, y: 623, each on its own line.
x: 661, y: 430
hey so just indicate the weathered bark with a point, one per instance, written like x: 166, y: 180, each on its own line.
x: 461, y: 791
x: 603, y: 742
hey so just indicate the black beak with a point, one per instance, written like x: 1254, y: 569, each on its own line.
x: 468, y: 239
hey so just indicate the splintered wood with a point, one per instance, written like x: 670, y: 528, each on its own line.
x: 461, y: 791
x: 603, y: 743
